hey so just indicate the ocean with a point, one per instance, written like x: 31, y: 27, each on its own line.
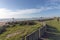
x: 20, y: 19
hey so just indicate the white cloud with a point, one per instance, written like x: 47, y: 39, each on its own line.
x: 52, y: 2
x: 5, y: 13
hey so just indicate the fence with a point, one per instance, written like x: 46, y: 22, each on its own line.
x: 33, y: 36
x: 36, y: 34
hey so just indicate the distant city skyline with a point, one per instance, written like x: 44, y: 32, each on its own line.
x: 29, y: 8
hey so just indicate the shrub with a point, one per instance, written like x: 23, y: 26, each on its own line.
x: 2, y: 29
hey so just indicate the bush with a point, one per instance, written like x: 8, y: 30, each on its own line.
x: 31, y: 23
x: 2, y: 29
x: 6, y: 26
x: 27, y: 23
x: 13, y: 25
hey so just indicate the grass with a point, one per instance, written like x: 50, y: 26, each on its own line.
x: 24, y: 30
x: 54, y: 23
x: 19, y: 30
x: 55, y: 35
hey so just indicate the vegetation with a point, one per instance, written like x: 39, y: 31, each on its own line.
x: 54, y: 23
x: 2, y: 29
x: 53, y: 29
x: 17, y: 30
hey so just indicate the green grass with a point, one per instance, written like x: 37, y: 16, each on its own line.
x: 24, y: 30
x: 21, y: 30
x: 55, y: 24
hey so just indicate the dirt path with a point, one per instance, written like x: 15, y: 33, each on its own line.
x: 13, y: 34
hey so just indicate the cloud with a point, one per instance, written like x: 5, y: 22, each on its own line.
x: 6, y: 13
x: 52, y: 2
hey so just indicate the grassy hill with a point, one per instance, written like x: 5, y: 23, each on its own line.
x: 18, y: 31
x: 54, y: 23
x: 54, y: 29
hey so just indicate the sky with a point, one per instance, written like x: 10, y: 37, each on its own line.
x: 29, y: 8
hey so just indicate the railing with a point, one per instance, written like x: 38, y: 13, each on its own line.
x: 36, y: 34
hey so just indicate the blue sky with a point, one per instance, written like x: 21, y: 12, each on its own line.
x: 29, y: 8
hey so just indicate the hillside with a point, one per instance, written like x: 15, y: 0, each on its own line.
x: 53, y: 29
x: 18, y: 31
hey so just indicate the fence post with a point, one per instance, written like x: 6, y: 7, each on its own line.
x: 39, y: 32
